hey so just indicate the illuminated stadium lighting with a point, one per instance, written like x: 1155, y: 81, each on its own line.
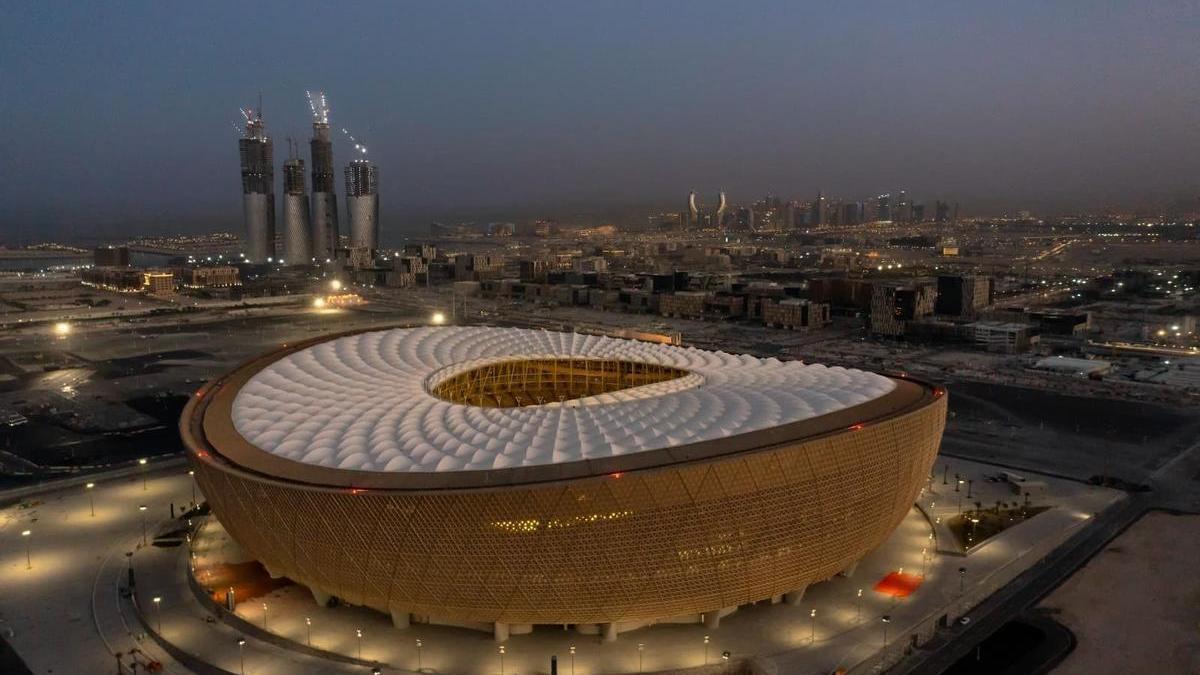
x: 479, y: 420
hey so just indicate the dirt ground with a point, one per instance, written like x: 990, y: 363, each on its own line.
x: 1135, y: 608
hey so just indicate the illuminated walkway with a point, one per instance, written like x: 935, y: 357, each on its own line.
x: 78, y: 560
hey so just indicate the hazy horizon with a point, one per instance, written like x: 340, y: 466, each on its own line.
x: 119, y: 118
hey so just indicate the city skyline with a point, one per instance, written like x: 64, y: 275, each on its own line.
x: 478, y: 112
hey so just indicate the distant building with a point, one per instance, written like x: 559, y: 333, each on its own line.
x: 297, y: 226
x: 258, y: 188
x: 1000, y: 336
x: 894, y: 304
x: 362, y: 203
x: 683, y: 304
x: 962, y: 296
x: 324, y: 196
x: 158, y: 283
x: 117, y: 279
x: 795, y: 314
x: 212, y: 277
x: 111, y: 256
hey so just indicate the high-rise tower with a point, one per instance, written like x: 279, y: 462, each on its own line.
x: 258, y: 191
x: 324, y: 196
x: 297, y: 230
x: 362, y: 203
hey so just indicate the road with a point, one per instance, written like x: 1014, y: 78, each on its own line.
x: 1175, y: 486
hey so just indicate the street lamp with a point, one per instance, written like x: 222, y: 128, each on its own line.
x: 886, y: 618
x: 142, y: 463
x: 957, y: 482
x: 962, y: 573
x: 858, y: 614
x: 813, y: 624
x: 142, y: 508
x: 91, y: 498
x: 241, y: 643
x: 28, y: 561
x: 308, y: 628
x: 264, y: 616
x: 974, y: 522
x: 358, y: 632
x: 419, y: 645
x: 706, y: 650
x: 501, y: 659
x: 335, y: 284
x: 193, y: 475
x: 158, y: 612
x: 437, y: 319
x: 572, y: 659
x: 641, y: 648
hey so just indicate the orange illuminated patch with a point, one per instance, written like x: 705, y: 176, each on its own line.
x: 898, y: 585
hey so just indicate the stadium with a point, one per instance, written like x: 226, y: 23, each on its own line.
x: 502, y: 478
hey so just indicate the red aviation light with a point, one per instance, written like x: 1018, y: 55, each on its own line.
x: 616, y: 474
x: 856, y: 427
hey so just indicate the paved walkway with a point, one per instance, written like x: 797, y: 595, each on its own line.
x: 66, y: 614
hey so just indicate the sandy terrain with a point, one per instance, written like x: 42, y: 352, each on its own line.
x: 1135, y: 608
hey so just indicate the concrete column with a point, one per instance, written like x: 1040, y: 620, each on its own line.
x: 794, y: 597
x: 610, y: 631
x: 500, y: 631
x: 849, y: 571
x: 400, y: 619
x: 322, y: 599
x: 776, y: 599
x: 712, y: 619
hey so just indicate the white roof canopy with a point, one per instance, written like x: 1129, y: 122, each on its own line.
x: 361, y: 402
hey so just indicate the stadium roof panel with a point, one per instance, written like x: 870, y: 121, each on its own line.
x: 366, y: 402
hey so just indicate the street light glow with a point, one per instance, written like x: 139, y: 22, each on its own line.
x: 336, y: 284
x: 438, y: 318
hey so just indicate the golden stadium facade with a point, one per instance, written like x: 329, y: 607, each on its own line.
x: 505, y: 477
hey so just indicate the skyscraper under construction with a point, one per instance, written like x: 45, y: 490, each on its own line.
x: 324, y: 197
x: 297, y: 231
x: 258, y: 191
x: 362, y: 203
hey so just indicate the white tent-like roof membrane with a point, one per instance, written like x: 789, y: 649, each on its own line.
x: 362, y: 402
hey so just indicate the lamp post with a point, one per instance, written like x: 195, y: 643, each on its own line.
x: 641, y: 649
x: 158, y: 613
x: 858, y: 614
x: 308, y: 630
x: 192, y: 473
x: 957, y: 482
x: 886, y: 618
x: 706, y: 650
x: 962, y: 573
x: 28, y: 560
x: 969, y: 484
x: 241, y: 643
x: 91, y: 497
x: 419, y: 645
x: 971, y: 540
x: 358, y: 632
x: 264, y: 616
x: 142, y: 508
x: 572, y: 659
x: 142, y: 463
x: 813, y: 625
x: 501, y: 659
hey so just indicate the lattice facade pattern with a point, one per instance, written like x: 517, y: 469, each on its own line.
x: 634, y: 546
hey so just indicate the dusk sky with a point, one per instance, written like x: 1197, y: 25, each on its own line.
x: 118, y: 116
